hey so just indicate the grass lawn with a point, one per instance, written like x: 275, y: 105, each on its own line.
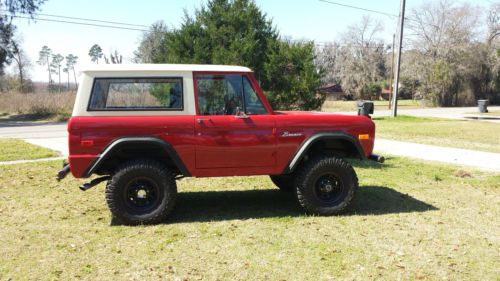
x: 13, y: 149
x: 340, y: 106
x: 410, y: 221
x: 484, y: 136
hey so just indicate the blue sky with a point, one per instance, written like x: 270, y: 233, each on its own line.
x: 299, y: 19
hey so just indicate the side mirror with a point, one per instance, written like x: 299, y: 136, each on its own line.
x: 240, y: 114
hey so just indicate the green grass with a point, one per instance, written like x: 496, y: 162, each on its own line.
x: 474, y: 135
x: 410, y: 221
x: 14, y: 149
x: 342, y: 106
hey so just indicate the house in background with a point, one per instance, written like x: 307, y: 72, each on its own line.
x: 385, y: 94
x: 334, y: 92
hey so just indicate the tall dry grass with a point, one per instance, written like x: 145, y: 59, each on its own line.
x: 38, y: 105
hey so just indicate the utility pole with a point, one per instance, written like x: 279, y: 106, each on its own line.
x: 398, y: 62
x: 392, y: 69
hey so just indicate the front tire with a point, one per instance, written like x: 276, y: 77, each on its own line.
x: 325, y: 185
x: 141, y: 192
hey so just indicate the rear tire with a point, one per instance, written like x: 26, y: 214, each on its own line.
x: 325, y: 185
x: 283, y: 182
x: 141, y: 192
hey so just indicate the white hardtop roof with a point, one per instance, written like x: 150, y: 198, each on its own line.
x: 163, y: 67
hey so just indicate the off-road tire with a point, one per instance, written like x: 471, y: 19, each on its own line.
x: 311, y: 189
x: 148, y: 175
x: 283, y: 182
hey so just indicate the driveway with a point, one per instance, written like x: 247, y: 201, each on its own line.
x: 50, y: 135
x: 463, y: 113
x: 487, y: 161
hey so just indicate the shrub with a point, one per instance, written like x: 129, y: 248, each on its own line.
x: 38, y: 105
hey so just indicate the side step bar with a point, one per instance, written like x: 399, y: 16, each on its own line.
x: 65, y: 171
x: 94, y: 182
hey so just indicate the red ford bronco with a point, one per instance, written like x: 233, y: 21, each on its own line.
x: 142, y: 127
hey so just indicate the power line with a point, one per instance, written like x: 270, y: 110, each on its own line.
x: 137, y: 29
x: 77, y: 23
x: 82, y: 19
x: 319, y: 44
x: 359, y: 8
x: 375, y: 11
x: 94, y: 20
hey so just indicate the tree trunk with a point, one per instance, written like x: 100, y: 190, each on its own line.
x: 59, y: 73
x: 21, y: 74
x: 74, y: 75
x: 68, y: 81
x: 50, y: 78
x: 21, y: 77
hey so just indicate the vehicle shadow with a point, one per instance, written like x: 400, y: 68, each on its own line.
x: 380, y: 200
x: 267, y: 203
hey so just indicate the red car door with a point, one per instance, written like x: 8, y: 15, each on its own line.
x: 229, y: 132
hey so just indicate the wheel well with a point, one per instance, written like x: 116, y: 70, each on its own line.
x: 339, y: 147
x: 136, y: 150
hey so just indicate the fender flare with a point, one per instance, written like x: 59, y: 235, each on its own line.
x: 110, y: 148
x: 301, y: 152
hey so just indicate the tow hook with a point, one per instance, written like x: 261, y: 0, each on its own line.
x: 93, y: 183
x: 377, y: 158
x: 63, y: 172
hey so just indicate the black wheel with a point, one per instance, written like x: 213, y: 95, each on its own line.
x: 141, y: 192
x: 283, y: 182
x: 325, y: 185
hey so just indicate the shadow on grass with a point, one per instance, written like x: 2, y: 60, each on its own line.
x: 380, y: 200
x: 251, y: 204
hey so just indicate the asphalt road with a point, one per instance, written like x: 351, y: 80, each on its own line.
x: 461, y: 113
x: 51, y: 135
x: 54, y: 136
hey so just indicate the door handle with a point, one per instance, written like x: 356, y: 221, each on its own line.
x: 200, y: 120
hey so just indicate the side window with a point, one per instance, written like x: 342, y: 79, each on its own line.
x: 253, y: 105
x: 219, y: 94
x: 136, y: 94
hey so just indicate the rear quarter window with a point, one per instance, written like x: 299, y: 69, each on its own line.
x: 110, y: 94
